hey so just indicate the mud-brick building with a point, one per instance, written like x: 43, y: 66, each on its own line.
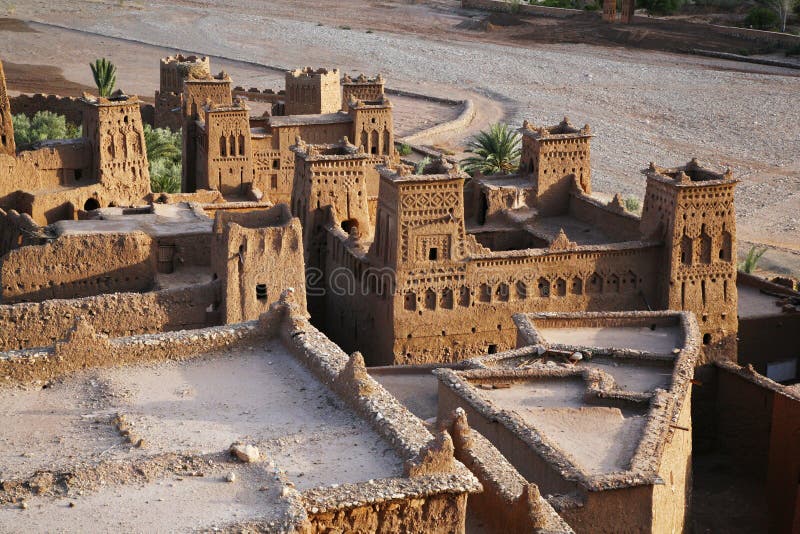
x: 448, y: 264
x: 228, y: 150
x: 173, y: 72
x: 54, y: 180
x: 595, y: 409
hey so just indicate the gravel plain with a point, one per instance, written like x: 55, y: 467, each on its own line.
x: 642, y: 105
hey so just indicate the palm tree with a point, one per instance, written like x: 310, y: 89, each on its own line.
x: 496, y: 151
x: 105, y: 76
x: 162, y: 144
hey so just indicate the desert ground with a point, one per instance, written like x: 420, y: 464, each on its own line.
x: 643, y: 105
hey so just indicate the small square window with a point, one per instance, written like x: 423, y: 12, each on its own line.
x: 433, y: 254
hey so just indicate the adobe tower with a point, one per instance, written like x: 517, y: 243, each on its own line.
x: 691, y: 208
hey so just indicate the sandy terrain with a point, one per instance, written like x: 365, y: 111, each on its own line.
x: 643, y: 105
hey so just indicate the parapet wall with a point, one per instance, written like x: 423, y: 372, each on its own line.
x: 17, y: 230
x: 30, y: 325
x: 69, y: 106
x: 618, y: 224
x: 75, y: 266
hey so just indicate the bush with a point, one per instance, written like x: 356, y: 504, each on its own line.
x: 558, y: 3
x: 592, y: 7
x: 404, y: 149
x: 419, y: 168
x: 165, y: 176
x: 44, y: 126
x: 513, y: 6
x: 762, y: 18
x: 632, y: 204
x: 751, y: 261
x: 660, y: 7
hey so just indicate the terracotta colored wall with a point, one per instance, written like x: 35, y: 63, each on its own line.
x: 783, y: 474
x: 671, y: 499
x: 121, y: 314
x: 78, y: 266
x: 436, y: 514
x: 622, y: 226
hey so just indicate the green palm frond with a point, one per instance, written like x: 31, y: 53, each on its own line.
x: 496, y: 151
x: 105, y: 76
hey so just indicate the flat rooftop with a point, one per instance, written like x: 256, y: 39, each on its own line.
x: 156, y: 220
x: 755, y: 303
x: 660, y: 339
x: 187, y: 414
x: 599, y: 439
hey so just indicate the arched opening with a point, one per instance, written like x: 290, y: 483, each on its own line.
x: 447, y: 298
x: 91, y: 204
x: 561, y: 287
x: 686, y: 250
x: 577, y: 285
x: 485, y: 293
x: 430, y: 299
x: 594, y: 284
x: 544, y: 287
x: 349, y: 226
x: 522, y: 290
x: 410, y: 301
x: 463, y: 296
x: 705, y: 246
x: 502, y: 292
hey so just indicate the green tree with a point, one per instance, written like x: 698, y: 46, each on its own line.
x: 165, y: 176
x: 105, y: 76
x: 164, y: 156
x: 762, y: 18
x: 44, y: 126
x: 496, y: 151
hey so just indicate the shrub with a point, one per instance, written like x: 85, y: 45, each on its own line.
x: 557, y: 3
x: 44, y: 126
x: 165, y: 176
x: 660, y: 7
x: 404, y: 149
x: 514, y: 6
x: 762, y: 18
x: 751, y: 261
x: 632, y: 204
x: 419, y: 168
x: 592, y: 7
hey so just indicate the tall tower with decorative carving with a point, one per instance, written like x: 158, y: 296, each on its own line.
x: 373, y: 126
x: 114, y: 128
x: 310, y: 91
x: 174, y: 71
x: 691, y: 208
x: 7, y: 145
x: 225, y: 149
x: 197, y: 93
x: 556, y: 157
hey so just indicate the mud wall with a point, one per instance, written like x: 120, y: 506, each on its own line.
x: 619, y: 225
x: 431, y: 514
x: 75, y: 266
x: 71, y: 107
x: 122, y: 314
x: 758, y: 425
